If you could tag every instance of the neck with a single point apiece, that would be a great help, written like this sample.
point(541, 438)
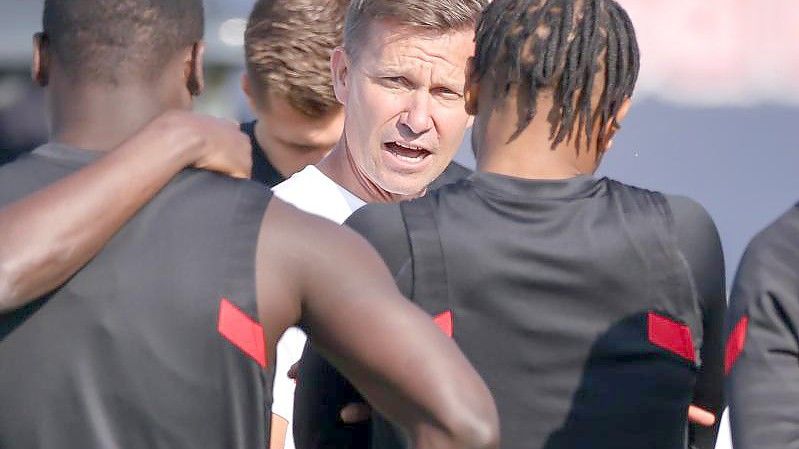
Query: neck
point(285, 161)
point(531, 154)
point(339, 166)
point(99, 118)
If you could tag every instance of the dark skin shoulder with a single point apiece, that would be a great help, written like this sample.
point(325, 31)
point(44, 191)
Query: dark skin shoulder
point(50, 234)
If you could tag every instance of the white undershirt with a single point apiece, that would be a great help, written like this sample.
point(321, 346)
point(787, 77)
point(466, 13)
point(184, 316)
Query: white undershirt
point(311, 191)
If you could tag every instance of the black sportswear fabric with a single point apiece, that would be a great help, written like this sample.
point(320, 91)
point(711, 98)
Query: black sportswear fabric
point(452, 174)
point(491, 218)
point(127, 353)
point(318, 425)
point(763, 383)
point(262, 170)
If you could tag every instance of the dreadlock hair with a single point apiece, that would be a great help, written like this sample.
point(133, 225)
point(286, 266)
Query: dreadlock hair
point(108, 40)
point(566, 46)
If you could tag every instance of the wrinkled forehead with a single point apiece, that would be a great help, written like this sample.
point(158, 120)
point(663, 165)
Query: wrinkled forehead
point(393, 46)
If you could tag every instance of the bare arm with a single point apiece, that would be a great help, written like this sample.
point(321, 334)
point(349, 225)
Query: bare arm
point(385, 345)
point(49, 235)
point(277, 439)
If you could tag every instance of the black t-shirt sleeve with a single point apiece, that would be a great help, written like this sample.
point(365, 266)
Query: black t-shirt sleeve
point(383, 226)
point(698, 239)
point(452, 174)
point(763, 348)
point(321, 391)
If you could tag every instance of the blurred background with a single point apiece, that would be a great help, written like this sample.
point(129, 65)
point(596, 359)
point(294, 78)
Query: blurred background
point(716, 113)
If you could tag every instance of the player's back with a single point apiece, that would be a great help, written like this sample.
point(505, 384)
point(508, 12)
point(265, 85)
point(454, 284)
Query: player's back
point(152, 343)
point(572, 300)
point(761, 357)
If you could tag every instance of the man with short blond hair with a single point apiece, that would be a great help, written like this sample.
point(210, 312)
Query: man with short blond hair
point(400, 75)
point(287, 45)
point(287, 81)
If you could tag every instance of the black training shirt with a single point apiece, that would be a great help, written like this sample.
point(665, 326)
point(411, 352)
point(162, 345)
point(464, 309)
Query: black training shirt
point(763, 340)
point(488, 212)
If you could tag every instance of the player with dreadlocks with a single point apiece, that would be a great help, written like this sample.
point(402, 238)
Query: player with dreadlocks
point(592, 309)
point(562, 56)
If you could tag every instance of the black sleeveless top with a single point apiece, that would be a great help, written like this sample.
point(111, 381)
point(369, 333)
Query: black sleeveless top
point(262, 169)
point(155, 342)
point(571, 299)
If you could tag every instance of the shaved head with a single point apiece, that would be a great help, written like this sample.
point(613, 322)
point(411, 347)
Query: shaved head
point(111, 40)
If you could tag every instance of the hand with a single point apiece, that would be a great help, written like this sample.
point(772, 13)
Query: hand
point(355, 412)
point(699, 416)
point(294, 372)
point(352, 413)
point(211, 143)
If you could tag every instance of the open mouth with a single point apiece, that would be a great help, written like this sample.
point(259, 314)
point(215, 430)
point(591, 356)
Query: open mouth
point(406, 152)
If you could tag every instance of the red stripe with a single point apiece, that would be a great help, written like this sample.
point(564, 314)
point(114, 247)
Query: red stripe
point(735, 344)
point(444, 322)
point(241, 330)
point(672, 336)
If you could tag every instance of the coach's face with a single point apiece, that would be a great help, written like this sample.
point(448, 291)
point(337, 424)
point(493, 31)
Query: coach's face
point(404, 106)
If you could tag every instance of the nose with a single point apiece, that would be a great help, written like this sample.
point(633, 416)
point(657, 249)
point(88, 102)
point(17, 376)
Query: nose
point(417, 118)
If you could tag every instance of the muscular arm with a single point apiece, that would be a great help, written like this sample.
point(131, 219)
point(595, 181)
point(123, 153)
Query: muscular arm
point(700, 244)
point(47, 236)
point(763, 384)
point(321, 391)
point(354, 315)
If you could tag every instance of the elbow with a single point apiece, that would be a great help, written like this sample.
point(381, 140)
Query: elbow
point(476, 425)
point(6, 296)
point(480, 432)
point(477, 434)
point(9, 289)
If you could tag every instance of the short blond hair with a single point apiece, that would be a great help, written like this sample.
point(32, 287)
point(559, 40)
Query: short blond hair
point(430, 15)
point(288, 44)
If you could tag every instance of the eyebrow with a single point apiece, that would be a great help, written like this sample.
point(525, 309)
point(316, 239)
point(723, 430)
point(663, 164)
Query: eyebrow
point(449, 83)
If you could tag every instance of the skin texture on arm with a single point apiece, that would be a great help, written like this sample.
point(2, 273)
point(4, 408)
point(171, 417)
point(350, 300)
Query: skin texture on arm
point(763, 380)
point(699, 242)
point(49, 235)
point(322, 394)
point(354, 315)
point(277, 439)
